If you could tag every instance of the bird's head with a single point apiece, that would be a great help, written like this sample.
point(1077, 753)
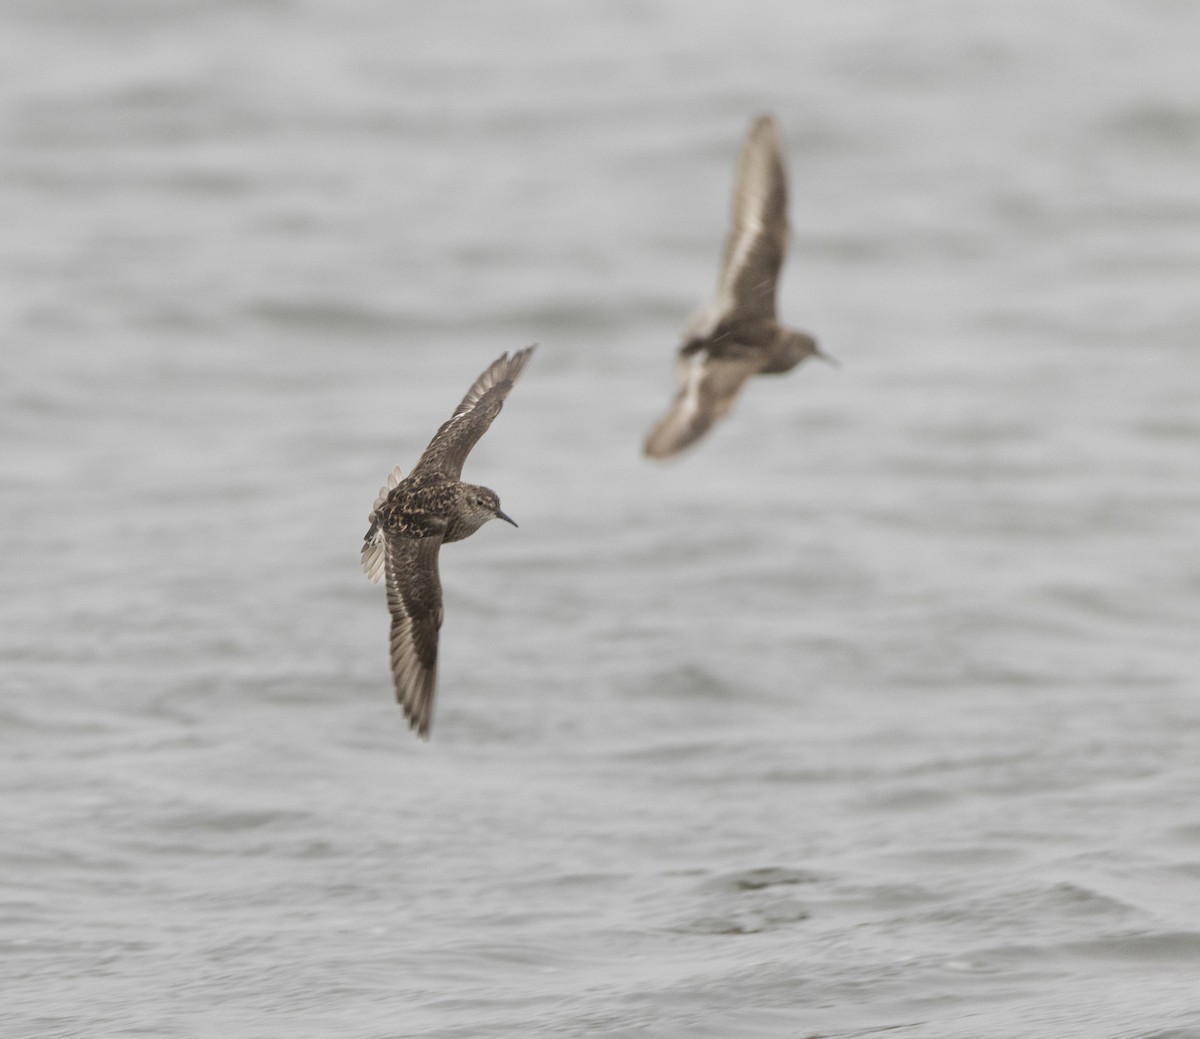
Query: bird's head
point(800, 345)
point(481, 504)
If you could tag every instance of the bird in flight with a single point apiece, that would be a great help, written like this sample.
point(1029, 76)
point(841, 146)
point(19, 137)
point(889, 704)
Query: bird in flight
point(738, 335)
point(412, 518)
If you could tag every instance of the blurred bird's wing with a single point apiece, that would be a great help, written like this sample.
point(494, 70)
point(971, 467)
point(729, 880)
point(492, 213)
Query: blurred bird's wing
point(758, 234)
point(707, 389)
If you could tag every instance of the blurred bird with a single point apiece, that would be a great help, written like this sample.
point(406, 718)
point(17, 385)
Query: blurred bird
point(738, 336)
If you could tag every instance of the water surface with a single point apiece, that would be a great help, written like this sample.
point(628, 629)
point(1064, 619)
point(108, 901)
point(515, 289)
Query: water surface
point(877, 713)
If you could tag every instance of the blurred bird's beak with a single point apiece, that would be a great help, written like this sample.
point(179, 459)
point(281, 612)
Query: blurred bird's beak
point(507, 519)
point(818, 352)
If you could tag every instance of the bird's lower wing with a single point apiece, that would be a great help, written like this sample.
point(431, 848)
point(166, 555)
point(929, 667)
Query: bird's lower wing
point(707, 390)
point(414, 595)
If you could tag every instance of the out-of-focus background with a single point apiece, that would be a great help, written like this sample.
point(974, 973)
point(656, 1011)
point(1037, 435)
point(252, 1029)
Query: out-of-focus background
point(879, 711)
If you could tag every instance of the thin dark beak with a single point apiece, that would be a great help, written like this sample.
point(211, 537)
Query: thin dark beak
point(507, 519)
point(818, 352)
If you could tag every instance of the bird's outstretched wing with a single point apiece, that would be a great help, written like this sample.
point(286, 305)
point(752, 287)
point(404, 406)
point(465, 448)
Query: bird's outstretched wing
point(758, 234)
point(414, 595)
point(707, 389)
point(453, 441)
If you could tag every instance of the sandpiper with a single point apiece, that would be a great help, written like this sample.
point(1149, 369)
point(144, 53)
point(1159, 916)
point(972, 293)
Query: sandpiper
point(738, 336)
point(414, 516)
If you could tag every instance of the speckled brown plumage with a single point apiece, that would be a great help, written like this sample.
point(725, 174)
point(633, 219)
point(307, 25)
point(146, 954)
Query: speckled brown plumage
point(738, 336)
point(413, 517)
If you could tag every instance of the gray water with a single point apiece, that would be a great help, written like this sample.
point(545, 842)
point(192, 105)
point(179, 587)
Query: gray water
point(878, 713)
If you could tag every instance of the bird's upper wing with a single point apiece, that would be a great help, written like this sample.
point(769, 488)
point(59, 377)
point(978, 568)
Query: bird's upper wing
point(707, 390)
point(414, 595)
point(758, 234)
point(453, 441)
